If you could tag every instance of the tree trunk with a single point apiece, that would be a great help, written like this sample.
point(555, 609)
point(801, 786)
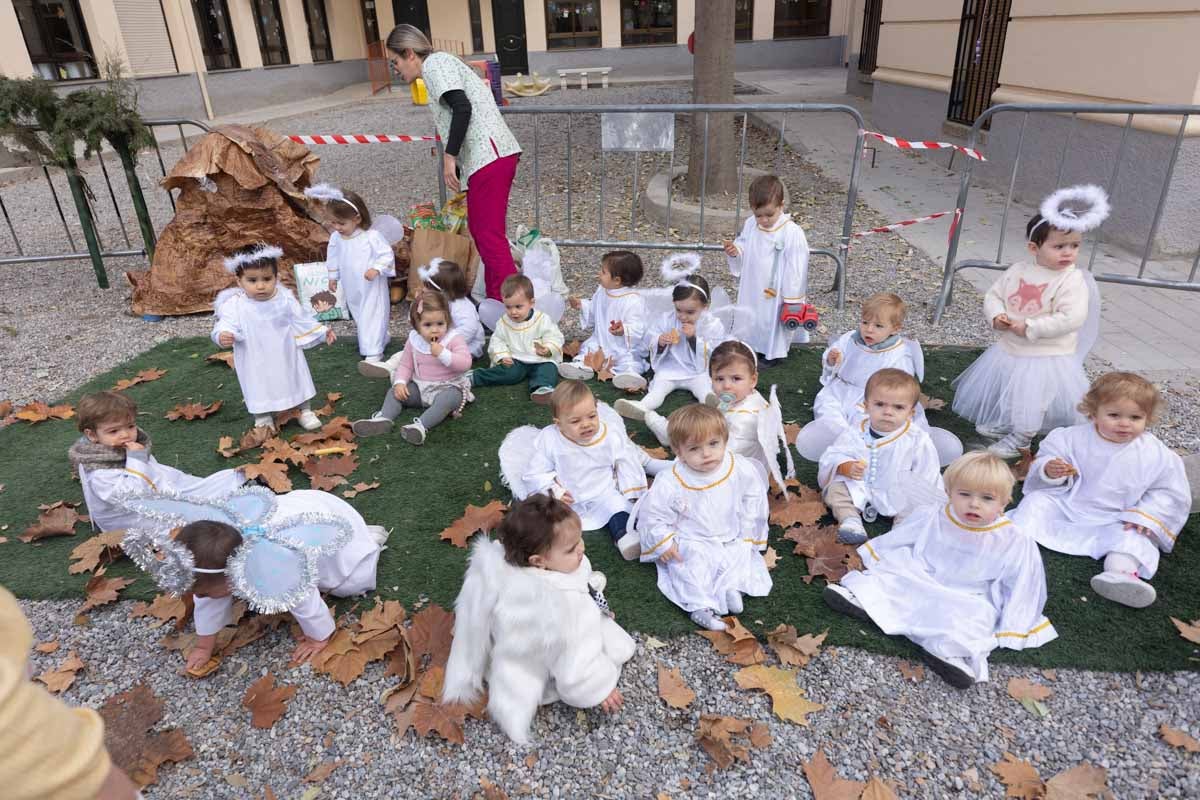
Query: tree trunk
point(712, 82)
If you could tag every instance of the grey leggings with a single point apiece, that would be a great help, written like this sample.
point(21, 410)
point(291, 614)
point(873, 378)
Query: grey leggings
point(445, 403)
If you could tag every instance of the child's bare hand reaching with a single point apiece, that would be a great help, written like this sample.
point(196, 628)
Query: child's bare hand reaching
point(1057, 468)
point(306, 648)
point(330, 336)
point(854, 470)
point(834, 358)
point(400, 392)
point(672, 554)
point(225, 339)
point(541, 349)
point(730, 248)
point(1001, 322)
point(371, 274)
point(616, 328)
point(436, 348)
point(612, 704)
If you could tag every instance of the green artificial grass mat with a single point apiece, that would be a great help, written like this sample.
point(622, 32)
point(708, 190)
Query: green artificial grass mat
point(423, 489)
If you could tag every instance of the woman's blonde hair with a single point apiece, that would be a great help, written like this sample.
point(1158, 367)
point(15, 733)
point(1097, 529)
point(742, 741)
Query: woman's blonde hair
point(1122, 386)
point(981, 471)
point(408, 38)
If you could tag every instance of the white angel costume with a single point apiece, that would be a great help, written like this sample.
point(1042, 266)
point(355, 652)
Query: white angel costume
point(684, 363)
point(1141, 482)
point(269, 338)
point(605, 476)
point(718, 521)
point(956, 591)
point(772, 268)
point(294, 546)
point(756, 433)
point(626, 348)
point(347, 261)
point(464, 318)
point(894, 460)
point(536, 636)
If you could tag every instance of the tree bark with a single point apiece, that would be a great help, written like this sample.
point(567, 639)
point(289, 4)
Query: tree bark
point(712, 82)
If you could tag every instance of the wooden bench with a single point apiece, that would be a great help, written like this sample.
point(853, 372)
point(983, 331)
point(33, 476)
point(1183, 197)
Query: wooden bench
point(583, 73)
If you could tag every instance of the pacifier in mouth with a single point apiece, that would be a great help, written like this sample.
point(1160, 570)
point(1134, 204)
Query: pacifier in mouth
point(725, 400)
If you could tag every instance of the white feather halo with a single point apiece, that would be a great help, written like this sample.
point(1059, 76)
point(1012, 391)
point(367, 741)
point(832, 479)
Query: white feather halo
point(1062, 208)
point(430, 271)
point(679, 266)
point(324, 192)
point(262, 252)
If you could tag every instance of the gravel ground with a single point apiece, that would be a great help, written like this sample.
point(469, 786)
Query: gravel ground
point(924, 735)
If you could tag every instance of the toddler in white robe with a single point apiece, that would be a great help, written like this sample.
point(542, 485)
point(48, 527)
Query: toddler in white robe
point(532, 621)
point(870, 471)
point(268, 330)
point(617, 315)
point(1109, 489)
point(113, 459)
point(957, 578)
point(770, 259)
point(704, 522)
point(585, 459)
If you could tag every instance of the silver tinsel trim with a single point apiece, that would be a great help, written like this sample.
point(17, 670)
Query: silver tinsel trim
point(278, 532)
point(305, 582)
point(173, 571)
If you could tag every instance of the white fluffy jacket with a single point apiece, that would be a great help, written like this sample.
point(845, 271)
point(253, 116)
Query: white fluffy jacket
point(536, 636)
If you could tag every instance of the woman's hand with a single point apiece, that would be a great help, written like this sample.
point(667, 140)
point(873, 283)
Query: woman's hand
point(450, 172)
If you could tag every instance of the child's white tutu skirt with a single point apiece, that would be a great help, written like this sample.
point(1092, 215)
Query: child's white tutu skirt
point(1002, 392)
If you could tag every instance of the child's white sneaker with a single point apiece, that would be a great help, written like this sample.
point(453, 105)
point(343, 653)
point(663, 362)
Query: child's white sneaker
point(542, 395)
point(952, 669)
point(1009, 447)
point(630, 409)
point(376, 425)
point(374, 368)
point(414, 432)
point(630, 546)
point(843, 601)
point(708, 620)
point(309, 421)
point(851, 531)
point(657, 424)
point(1124, 588)
point(264, 421)
point(379, 534)
point(629, 381)
point(575, 372)
point(733, 601)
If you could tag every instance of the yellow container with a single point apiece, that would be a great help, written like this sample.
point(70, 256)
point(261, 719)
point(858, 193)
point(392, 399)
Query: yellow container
point(420, 96)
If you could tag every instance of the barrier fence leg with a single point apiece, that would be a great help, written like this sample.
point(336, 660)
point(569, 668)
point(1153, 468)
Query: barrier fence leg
point(139, 200)
point(75, 181)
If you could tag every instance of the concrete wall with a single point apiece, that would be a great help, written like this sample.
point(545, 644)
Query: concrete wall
point(236, 90)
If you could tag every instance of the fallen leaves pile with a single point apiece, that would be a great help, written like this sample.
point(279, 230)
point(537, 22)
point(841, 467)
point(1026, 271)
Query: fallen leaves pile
point(1081, 782)
point(34, 412)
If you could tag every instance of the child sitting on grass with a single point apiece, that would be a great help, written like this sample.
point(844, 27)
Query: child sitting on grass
point(704, 521)
point(268, 330)
point(526, 344)
point(532, 621)
point(870, 470)
point(431, 373)
point(617, 315)
point(584, 459)
point(1109, 489)
point(113, 458)
point(770, 259)
point(956, 577)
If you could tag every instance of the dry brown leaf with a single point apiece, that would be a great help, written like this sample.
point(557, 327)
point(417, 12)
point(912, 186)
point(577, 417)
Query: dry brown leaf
point(657, 452)
point(788, 510)
point(279, 450)
point(474, 520)
point(787, 698)
point(331, 465)
point(128, 718)
point(912, 672)
point(1188, 630)
point(794, 650)
point(1020, 469)
point(190, 411)
point(595, 360)
point(266, 701)
point(101, 591)
point(736, 643)
point(1024, 689)
point(101, 547)
point(341, 659)
point(431, 633)
point(60, 678)
point(771, 557)
point(877, 790)
point(715, 735)
point(225, 447)
point(571, 348)
point(273, 472)
point(255, 437)
point(359, 488)
point(491, 791)
point(336, 428)
point(672, 688)
point(331, 399)
point(55, 519)
point(430, 685)
point(444, 720)
point(1050, 674)
point(165, 608)
point(38, 411)
point(1020, 778)
point(47, 647)
point(6, 407)
point(825, 556)
point(760, 736)
point(825, 783)
point(145, 376)
point(1177, 738)
point(397, 701)
point(1081, 782)
point(385, 616)
point(224, 357)
point(322, 771)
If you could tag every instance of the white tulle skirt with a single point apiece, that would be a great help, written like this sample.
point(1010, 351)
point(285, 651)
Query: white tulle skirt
point(1001, 392)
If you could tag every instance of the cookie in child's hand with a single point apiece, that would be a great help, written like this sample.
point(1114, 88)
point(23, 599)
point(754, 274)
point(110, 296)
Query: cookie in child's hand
point(206, 669)
point(674, 335)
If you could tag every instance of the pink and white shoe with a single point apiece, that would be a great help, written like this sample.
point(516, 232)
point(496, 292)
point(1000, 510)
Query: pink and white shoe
point(1125, 588)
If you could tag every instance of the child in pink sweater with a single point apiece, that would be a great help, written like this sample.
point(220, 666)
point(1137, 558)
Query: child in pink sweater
point(431, 374)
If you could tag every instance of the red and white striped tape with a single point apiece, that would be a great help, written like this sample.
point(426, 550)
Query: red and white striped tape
point(360, 138)
point(905, 144)
point(898, 225)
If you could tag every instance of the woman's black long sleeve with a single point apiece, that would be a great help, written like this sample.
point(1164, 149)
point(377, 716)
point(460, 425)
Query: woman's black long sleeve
point(460, 111)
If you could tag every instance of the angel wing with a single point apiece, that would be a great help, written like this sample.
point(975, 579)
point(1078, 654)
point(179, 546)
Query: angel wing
point(171, 565)
point(815, 438)
point(611, 418)
point(918, 358)
point(915, 491)
point(391, 228)
point(771, 438)
point(242, 508)
point(473, 610)
point(514, 459)
point(1091, 326)
point(272, 576)
point(738, 320)
point(490, 311)
point(948, 446)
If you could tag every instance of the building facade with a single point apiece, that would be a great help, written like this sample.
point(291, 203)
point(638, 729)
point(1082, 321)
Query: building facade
point(932, 67)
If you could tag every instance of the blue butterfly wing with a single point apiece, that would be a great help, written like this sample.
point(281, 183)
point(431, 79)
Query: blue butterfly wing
point(323, 534)
point(177, 510)
point(272, 577)
point(253, 504)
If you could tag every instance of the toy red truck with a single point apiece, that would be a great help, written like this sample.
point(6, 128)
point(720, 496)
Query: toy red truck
point(796, 315)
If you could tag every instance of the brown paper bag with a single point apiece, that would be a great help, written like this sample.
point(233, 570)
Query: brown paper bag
point(428, 244)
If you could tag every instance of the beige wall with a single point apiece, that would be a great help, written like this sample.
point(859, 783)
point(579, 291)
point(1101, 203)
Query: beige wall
point(610, 23)
point(489, 29)
point(104, 30)
point(385, 16)
point(245, 35)
point(181, 25)
point(535, 26)
point(917, 43)
point(296, 31)
point(14, 56)
point(347, 32)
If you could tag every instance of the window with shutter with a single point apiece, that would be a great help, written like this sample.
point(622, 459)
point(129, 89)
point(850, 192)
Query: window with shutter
point(147, 42)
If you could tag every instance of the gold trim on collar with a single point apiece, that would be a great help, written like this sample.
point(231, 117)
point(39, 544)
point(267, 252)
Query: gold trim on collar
point(867, 348)
point(526, 325)
point(718, 482)
point(784, 219)
point(603, 433)
point(886, 440)
point(985, 529)
point(626, 293)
